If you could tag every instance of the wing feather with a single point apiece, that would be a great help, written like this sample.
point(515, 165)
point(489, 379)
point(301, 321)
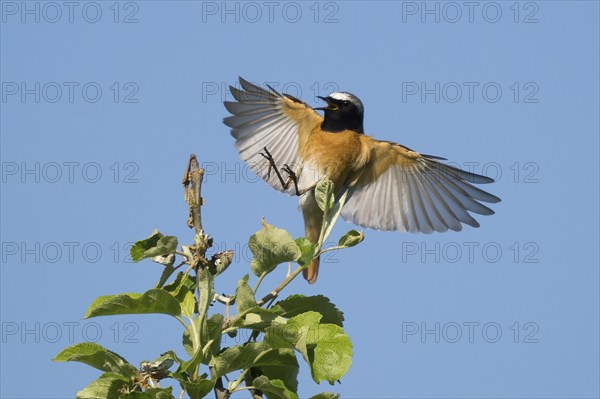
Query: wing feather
point(400, 189)
point(458, 203)
point(441, 204)
point(386, 194)
point(265, 118)
point(420, 214)
point(435, 217)
point(458, 173)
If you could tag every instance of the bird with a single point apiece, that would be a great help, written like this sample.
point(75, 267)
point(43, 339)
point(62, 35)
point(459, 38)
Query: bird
point(389, 186)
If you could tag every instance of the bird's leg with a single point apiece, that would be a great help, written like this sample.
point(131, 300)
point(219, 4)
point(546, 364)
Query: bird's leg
point(291, 178)
point(286, 168)
point(272, 166)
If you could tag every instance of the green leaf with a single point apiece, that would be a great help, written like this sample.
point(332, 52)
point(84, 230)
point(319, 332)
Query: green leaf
point(236, 358)
point(276, 387)
point(330, 205)
point(286, 370)
point(325, 347)
point(96, 356)
point(205, 283)
point(253, 354)
point(220, 261)
point(259, 318)
point(298, 304)
point(188, 305)
point(107, 386)
point(193, 348)
point(187, 342)
point(155, 300)
point(326, 395)
point(199, 388)
point(330, 217)
point(351, 239)
point(271, 246)
point(155, 245)
point(324, 194)
point(150, 393)
point(171, 355)
point(293, 334)
point(244, 297)
point(214, 332)
point(331, 356)
point(167, 272)
point(308, 250)
point(182, 284)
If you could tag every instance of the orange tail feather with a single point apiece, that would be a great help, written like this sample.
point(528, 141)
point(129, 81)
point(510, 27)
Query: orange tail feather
point(313, 219)
point(312, 272)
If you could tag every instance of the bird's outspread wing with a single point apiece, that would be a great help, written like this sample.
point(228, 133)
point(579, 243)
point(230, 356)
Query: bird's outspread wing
point(267, 119)
point(400, 189)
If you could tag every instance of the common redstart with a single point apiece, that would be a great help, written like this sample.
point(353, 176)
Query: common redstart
point(390, 187)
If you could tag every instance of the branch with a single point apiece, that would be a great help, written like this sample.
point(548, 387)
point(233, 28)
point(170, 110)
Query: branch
point(248, 380)
point(192, 192)
point(270, 296)
point(220, 391)
point(192, 186)
point(273, 294)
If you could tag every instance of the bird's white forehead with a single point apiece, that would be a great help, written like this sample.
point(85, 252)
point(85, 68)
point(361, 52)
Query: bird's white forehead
point(341, 96)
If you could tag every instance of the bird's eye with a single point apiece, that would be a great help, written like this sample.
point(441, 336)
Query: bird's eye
point(345, 103)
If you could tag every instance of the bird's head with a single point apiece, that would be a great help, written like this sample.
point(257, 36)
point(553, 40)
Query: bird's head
point(344, 111)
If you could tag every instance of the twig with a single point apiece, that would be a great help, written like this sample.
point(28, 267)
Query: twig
point(253, 391)
point(192, 185)
point(234, 386)
point(273, 294)
point(260, 279)
point(183, 255)
point(269, 297)
point(224, 299)
point(249, 380)
point(220, 391)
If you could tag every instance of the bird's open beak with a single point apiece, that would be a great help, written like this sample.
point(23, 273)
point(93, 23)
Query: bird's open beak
point(330, 105)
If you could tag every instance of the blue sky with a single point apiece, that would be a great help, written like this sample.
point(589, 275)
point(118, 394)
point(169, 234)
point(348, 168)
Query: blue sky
point(103, 102)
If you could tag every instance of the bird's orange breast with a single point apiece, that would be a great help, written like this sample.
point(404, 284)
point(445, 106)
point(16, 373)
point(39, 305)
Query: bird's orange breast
point(334, 155)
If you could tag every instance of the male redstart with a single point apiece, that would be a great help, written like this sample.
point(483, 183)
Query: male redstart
point(390, 187)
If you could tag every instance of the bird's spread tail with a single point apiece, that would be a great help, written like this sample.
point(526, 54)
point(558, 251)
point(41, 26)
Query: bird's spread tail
point(313, 219)
point(311, 273)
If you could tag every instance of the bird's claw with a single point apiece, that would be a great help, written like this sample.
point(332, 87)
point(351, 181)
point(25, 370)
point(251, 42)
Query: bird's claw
point(292, 178)
point(267, 155)
point(286, 168)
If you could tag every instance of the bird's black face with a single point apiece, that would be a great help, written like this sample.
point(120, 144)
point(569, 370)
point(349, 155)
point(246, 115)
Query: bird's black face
point(344, 111)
